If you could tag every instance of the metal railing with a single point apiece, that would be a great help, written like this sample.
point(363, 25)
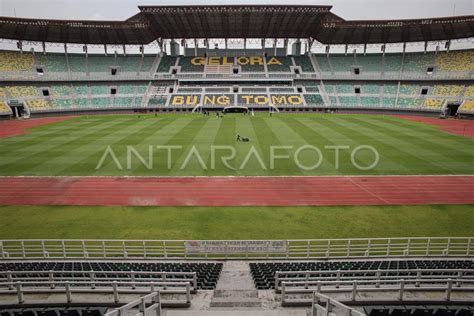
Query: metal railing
point(355, 287)
point(97, 278)
point(152, 300)
point(239, 249)
point(180, 292)
point(379, 276)
point(330, 305)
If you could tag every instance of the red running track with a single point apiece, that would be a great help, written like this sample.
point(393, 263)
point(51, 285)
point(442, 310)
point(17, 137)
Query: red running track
point(460, 127)
point(227, 191)
point(16, 127)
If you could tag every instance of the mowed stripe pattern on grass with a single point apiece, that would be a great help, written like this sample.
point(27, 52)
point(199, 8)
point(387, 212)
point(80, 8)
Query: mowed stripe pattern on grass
point(74, 147)
point(235, 191)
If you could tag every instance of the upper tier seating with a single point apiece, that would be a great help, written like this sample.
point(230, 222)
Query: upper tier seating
point(418, 62)
point(456, 61)
point(147, 63)
point(129, 63)
point(188, 66)
point(283, 67)
point(369, 63)
point(166, 62)
point(392, 63)
point(304, 62)
point(341, 63)
point(77, 63)
point(53, 62)
point(323, 63)
point(263, 273)
point(99, 63)
point(207, 273)
point(15, 61)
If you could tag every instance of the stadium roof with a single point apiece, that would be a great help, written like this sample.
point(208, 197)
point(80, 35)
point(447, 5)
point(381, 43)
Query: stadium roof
point(239, 21)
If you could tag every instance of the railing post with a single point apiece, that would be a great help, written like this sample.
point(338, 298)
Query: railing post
point(92, 277)
point(2, 253)
point(51, 279)
point(116, 294)
point(449, 287)
point(354, 291)
point(338, 278)
point(23, 249)
point(314, 310)
point(157, 300)
point(19, 293)
point(10, 280)
point(132, 277)
point(401, 291)
point(188, 293)
point(418, 277)
point(306, 280)
point(460, 274)
point(68, 292)
point(142, 306)
point(378, 275)
point(283, 289)
point(195, 281)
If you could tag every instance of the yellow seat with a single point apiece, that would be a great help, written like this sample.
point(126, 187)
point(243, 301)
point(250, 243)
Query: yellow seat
point(15, 61)
point(456, 61)
point(22, 91)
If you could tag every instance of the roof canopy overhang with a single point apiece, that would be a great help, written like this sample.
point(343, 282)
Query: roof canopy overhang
point(250, 21)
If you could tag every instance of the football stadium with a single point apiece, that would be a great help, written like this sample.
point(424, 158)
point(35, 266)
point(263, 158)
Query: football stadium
point(236, 159)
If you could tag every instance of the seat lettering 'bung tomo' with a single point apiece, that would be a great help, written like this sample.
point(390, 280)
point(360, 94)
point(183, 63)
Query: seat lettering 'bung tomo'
point(243, 60)
point(286, 99)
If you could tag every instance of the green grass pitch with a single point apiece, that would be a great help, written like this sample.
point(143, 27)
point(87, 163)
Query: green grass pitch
point(312, 222)
point(75, 147)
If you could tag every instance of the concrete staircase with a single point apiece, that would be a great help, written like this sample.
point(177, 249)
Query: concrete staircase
point(235, 287)
point(235, 295)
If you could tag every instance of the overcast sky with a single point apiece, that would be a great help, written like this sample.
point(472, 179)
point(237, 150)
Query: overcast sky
point(123, 9)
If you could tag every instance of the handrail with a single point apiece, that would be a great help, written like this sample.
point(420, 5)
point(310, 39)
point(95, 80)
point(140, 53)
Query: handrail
point(93, 276)
point(70, 287)
point(379, 275)
point(330, 304)
point(401, 286)
point(238, 249)
point(141, 304)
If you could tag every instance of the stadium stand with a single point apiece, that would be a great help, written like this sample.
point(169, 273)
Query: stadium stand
point(304, 62)
point(187, 65)
point(166, 62)
point(15, 61)
point(279, 64)
point(207, 273)
point(263, 273)
point(418, 62)
point(456, 61)
point(53, 62)
point(4, 108)
point(370, 63)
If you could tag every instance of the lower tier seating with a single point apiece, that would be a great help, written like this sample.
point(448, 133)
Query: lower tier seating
point(207, 273)
point(263, 273)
